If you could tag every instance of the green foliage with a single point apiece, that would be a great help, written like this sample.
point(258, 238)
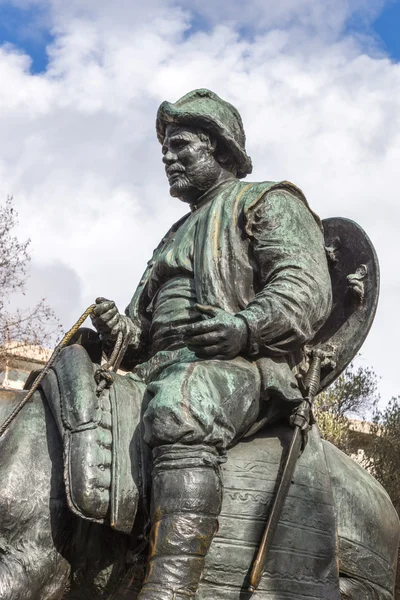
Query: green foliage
point(383, 456)
point(333, 429)
point(351, 395)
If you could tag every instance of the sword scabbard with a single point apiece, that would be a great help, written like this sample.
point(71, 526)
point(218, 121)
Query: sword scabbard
point(301, 424)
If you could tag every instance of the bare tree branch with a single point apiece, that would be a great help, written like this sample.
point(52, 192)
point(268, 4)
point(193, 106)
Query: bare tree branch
point(37, 325)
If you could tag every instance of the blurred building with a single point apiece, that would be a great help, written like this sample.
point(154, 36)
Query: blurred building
point(18, 360)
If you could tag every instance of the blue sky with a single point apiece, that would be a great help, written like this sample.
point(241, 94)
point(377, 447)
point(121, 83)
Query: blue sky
point(27, 29)
point(387, 28)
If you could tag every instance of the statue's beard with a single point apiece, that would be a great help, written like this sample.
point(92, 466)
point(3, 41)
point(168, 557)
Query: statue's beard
point(188, 185)
point(183, 188)
point(180, 183)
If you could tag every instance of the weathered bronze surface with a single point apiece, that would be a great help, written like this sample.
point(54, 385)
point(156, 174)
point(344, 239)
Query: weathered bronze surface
point(239, 298)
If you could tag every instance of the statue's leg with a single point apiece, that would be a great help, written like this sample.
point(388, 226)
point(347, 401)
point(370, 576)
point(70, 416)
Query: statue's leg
point(186, 501)
point(197, 409)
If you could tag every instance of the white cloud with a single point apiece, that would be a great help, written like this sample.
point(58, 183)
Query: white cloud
point(80, 156)
point(327, 18)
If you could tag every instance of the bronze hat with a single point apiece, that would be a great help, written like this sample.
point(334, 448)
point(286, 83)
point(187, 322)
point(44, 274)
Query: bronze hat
point(204, 109)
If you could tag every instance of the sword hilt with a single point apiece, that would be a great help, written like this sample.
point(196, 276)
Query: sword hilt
point(313, 378)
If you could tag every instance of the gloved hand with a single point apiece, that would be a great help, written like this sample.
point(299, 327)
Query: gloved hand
point(221, 336)
point(107, 320)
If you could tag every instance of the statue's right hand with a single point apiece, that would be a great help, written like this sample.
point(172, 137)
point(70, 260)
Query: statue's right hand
point(106, 319)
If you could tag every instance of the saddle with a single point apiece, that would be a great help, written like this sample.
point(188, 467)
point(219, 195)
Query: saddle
point(103, 454)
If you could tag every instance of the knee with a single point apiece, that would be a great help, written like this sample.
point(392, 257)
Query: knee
point(163, 426)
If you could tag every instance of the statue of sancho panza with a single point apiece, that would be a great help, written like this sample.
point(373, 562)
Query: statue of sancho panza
point(232, 294)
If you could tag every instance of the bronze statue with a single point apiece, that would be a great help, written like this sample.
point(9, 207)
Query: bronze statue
point(248, 307)
point(231, 295)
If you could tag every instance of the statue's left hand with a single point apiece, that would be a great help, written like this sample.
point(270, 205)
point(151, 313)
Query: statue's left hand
point(220, 336)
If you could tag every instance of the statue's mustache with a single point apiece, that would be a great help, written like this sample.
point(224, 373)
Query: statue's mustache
point(173, 170)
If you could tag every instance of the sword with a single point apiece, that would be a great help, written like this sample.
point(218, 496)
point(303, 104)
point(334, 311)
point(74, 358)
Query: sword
point(301, 422)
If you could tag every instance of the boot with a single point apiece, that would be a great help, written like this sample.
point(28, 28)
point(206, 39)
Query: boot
point(186, 502)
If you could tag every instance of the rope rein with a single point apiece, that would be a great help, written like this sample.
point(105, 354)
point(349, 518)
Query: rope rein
point(64, 342)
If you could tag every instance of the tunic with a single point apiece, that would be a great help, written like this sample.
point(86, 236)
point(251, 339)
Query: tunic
point(191, 401)
point(172, 289)
point(255, 250)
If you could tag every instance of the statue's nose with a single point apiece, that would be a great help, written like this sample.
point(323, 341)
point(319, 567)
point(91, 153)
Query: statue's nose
point(169, 158)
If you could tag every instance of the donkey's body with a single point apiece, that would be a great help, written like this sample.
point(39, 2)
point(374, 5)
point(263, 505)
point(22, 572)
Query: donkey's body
point(47, 553)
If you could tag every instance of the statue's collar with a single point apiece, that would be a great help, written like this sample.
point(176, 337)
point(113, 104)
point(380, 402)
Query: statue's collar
point(210, 194)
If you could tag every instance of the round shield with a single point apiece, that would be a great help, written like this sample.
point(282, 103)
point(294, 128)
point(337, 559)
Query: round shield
point(354, 271)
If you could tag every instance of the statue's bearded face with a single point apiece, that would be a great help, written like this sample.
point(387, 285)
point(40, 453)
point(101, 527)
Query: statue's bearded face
point(190, 164)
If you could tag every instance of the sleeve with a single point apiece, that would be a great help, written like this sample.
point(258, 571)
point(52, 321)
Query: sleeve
point(293, 289)
point(136, 319)
point(137, 350)
point(139, 324)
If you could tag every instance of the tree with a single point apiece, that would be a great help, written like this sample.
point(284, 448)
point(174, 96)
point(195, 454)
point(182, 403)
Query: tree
point(352, 394)
point(383, 456)
point(37, 325)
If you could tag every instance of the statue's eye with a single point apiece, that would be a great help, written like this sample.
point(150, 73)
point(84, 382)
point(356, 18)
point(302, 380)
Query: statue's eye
point(179, 144)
